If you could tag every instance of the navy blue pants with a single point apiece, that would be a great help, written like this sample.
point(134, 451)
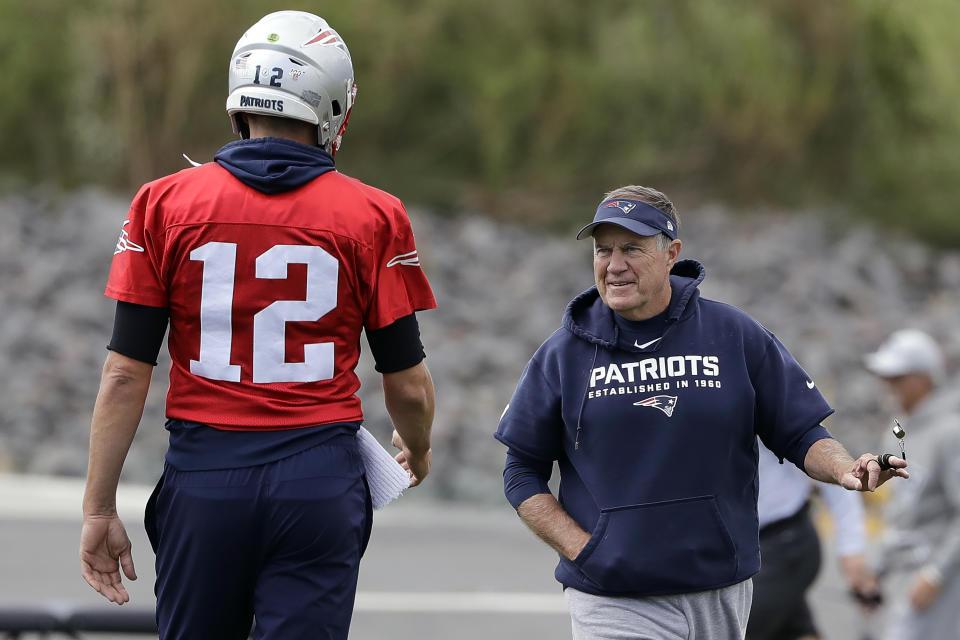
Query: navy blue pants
point(280, 542)
point(790, 553)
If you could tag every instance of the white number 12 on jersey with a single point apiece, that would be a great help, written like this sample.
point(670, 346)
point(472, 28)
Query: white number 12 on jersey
point(269, 325)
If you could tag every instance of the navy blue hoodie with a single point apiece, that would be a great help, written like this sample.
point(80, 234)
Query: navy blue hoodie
point(273, 165)
point(654, 427)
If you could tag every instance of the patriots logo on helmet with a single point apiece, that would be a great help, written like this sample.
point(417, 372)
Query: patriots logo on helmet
point(626, 207)
point(327, 37)
point(665, 403)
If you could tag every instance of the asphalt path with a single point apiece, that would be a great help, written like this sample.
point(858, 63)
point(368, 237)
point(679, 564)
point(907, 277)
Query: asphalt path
point(432, 570)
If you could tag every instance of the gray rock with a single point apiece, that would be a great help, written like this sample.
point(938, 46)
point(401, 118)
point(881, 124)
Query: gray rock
point(830, 291)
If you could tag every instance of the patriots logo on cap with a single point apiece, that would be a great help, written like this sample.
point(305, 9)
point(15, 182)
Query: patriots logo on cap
point(665, 403)
point(626, 207)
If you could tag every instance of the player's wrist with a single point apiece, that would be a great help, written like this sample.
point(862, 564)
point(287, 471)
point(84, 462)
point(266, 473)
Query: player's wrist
point(99, 508)
point(99, 513)
point(417, 444)
point(419, 450)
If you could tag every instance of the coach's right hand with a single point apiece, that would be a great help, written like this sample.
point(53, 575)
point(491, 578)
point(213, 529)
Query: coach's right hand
point(867, 474)
point(417, 464)
point(104, 550)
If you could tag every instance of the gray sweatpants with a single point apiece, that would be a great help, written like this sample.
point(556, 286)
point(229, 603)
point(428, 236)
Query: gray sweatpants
point(718, 614)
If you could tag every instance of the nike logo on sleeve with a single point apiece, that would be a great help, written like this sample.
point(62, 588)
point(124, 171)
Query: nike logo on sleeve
point(410, 259)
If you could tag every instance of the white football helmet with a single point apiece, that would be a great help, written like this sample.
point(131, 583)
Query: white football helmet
point(292, 64)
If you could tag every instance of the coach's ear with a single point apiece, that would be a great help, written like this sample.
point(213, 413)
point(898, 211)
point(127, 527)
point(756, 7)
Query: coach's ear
point(673, 252)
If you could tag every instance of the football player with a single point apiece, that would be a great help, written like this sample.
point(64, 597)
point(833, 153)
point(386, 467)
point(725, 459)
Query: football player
point(267, 264)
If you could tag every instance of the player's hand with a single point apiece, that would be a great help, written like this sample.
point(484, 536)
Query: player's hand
point(866, 474)
point(104, 551)
point(417, 464)
point(923, 592)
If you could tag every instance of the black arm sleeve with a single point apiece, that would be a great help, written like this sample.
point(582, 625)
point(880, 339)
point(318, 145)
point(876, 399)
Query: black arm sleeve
point(396, 346)
point(138, 331)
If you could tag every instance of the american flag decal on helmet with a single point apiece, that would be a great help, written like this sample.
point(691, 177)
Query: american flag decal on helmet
point(665, 403)
point(626, 207)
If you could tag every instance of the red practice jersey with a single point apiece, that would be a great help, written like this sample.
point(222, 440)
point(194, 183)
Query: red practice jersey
point(268, 294)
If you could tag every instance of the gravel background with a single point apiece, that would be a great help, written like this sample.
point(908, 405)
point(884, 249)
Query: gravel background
point(829, 290)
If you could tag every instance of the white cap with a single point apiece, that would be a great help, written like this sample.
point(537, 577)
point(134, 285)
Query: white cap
point(907, 351)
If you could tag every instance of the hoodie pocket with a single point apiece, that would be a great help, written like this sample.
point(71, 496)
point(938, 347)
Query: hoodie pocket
point(675, 546)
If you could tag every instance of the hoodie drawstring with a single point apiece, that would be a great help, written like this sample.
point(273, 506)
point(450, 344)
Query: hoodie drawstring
point(583, 400)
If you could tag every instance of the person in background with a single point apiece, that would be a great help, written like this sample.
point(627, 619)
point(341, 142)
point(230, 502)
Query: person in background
point(919, 559)
point(790, 551)
point(268, 265)
point(651, 398)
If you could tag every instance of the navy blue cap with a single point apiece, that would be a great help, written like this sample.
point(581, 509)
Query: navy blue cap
point(639, 217)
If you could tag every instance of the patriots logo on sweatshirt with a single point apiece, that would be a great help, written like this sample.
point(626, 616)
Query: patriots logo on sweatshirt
point(665, 403)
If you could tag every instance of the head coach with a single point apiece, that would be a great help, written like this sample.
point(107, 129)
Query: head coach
point(650, 398)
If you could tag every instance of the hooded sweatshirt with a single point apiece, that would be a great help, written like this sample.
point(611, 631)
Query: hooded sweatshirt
point(654, 427)
point(273, 165)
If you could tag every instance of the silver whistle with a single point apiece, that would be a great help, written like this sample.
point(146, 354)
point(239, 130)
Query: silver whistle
point(899, 433)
